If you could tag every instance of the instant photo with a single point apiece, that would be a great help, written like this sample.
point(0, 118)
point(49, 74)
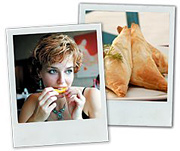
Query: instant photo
point(57, 90)
point(138, 46)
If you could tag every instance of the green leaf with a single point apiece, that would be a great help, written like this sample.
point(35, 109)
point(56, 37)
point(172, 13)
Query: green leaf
point(108, 52)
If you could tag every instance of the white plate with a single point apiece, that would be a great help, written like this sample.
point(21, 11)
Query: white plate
point(137, 93)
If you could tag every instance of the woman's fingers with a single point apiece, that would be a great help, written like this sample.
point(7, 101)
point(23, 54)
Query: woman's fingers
point(60, 95)
point(51, 107)
point(45, 97)
point(70, 92)
point(48, 95)
point(80, 102)
point(50, 101)
point(80, 95)
point(78, 98)
point(71, 99)
point(44, 92)
point(76, 102)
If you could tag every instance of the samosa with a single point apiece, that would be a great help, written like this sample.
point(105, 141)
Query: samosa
point(145, 72)
point(159, 58)
point(118, 63)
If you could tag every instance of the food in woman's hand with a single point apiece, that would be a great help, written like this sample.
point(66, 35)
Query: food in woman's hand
point(118, 63)
point(145, 72)
point(61, 90)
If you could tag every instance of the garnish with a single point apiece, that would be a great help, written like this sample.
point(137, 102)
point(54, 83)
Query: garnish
point(115, 56)
point(108, 52)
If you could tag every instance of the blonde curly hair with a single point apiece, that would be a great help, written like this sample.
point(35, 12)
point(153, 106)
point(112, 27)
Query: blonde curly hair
point(54, 48)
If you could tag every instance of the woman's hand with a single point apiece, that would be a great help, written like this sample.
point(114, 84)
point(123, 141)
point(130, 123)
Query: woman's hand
point(76, 102)
point(46, 103)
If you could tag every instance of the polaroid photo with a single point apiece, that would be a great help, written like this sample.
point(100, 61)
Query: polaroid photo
point(56, 82)
point(138, 45)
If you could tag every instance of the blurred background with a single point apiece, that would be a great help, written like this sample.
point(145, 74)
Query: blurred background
point(23, 47)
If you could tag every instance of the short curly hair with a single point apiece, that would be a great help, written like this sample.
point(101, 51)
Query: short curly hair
point(54, 48)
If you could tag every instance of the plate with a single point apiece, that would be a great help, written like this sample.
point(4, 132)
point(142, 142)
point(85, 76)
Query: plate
point(138, 94)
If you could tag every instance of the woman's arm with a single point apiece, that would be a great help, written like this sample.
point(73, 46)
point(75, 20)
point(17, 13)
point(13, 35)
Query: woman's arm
point(28, 109)
point(37, 108)
point(93, 102)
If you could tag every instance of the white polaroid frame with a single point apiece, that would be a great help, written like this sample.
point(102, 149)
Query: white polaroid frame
point(140, 113)
point(56, 132)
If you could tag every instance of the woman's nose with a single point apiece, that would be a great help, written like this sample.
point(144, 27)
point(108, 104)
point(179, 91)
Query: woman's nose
point(61, 79)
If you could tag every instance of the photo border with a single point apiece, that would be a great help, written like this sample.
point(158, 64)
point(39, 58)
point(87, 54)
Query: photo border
point(56, 132)
point(140, 113)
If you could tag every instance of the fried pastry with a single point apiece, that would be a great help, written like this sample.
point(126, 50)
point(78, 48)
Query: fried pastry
point(159, 58)
point(145, 72)
point(118, 63)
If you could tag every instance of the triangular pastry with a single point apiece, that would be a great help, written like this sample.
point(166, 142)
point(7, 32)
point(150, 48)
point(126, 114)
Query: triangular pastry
point(118, 63)
point(159, 58)
point(145, 72)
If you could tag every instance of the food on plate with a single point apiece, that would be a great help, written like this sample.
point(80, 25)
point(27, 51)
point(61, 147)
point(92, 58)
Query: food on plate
point(131, 59)
point(61, 90)
point(118, 63)
point(145, 72)
point(160, 59)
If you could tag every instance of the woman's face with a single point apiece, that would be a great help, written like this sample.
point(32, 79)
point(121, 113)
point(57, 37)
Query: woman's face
point(58, 75)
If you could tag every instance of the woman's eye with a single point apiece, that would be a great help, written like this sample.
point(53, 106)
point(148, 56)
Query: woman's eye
point(52, 71)
point(69, 71)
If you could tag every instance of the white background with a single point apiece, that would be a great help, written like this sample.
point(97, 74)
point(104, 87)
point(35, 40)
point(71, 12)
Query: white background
point(21, 13)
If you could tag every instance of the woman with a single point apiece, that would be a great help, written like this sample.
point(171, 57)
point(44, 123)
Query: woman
point(57, 58)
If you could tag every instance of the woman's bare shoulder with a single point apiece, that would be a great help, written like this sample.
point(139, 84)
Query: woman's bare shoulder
point(91, 92)
point(88, 89)
point(32, 99)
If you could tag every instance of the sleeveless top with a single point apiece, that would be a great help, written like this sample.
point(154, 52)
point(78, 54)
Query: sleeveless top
point(84, 116)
